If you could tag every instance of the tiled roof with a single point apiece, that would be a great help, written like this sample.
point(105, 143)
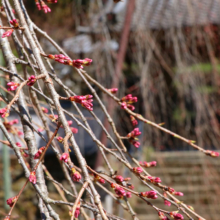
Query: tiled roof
point(157, 14)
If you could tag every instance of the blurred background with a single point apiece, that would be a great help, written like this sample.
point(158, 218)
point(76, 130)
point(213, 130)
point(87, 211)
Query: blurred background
point(165, 52)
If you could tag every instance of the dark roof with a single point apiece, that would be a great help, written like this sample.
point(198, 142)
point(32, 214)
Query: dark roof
point(162, 14)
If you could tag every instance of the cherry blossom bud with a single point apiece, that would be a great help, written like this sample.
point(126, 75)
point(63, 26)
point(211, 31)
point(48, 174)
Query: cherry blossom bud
point(69, 122)
point(53, 117)
point(11, 201)
point(64, 157)
point(18, 144)
point(77, 212)
point(101, 180)
point(178, 194)
point(133, 121)
point(12, 86)
point(123, 105)
point(87, 62)
point(119, 179)
point(176, 216)
point(76, 176)
point(7, 33)
point(131, 107)
point(60, 139)
point(45, 7)
point(212, 153)
point(74, 130)
point(162, 216)
point(130, 186)
point(128, 194)
point(154, 179)
point(31, 80)
point(137, 169)
point(120, 192)
point(39, 152)
point(15, 121)
point(150, 194)
point(14, 22)
point(171, 190)
point(113, 90)
point(135, 143)
point(32, 177)
point(7, 218)
point(134, 133)
point(20, 133)
point(167, 203)
point(45, 110)
point(4, 113)
point(148, 164)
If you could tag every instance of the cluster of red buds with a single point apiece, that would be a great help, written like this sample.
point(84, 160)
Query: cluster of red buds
point(176, 216)
point(7, 33)
point(120, 192)
point(133, 121)
point(137, 170)
point(14, 23)
point(113, 90)
point(42, 6)
point(4, 112)
point(64, 157)
point(212, 153)
point(153, 179)
point(162, 216)
point(98, 178)
point(12, 86)
point(39, 152)
point(76, 176)
point(149, 194)
point(133, 137)
point(172, 191)
point(45, 110)
point(31, 80)
point(12, 200)
point(32, 177)
point(85, 101)
point(67, 61)
point(77, 212)
point(127, 101)
point(24, 154)
point(148, 164)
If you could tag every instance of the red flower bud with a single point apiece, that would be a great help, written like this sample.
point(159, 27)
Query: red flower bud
point(137, 169)
point(64, 157)
point(176, 216)
point(128, 194)
point(14, 22)
point(12, 86)
point(178, 194)
point(45, 110)
point(212, 153)
point(148, 164)
point(7, 33)
point(31, 80)
point(123, 105)
point(162, 216)
point(74, 130)
point(113, 90)
point(11, 201)
point(167, 203)
point(4, 113)
point(39, 152)
point(32, 177)
point(150, 194)
point(76, 176)
point(60, 139)
point(119, 179)
point(133, 121)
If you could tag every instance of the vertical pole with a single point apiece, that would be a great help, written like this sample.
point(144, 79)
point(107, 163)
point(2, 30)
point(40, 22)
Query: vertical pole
point(6, 177)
